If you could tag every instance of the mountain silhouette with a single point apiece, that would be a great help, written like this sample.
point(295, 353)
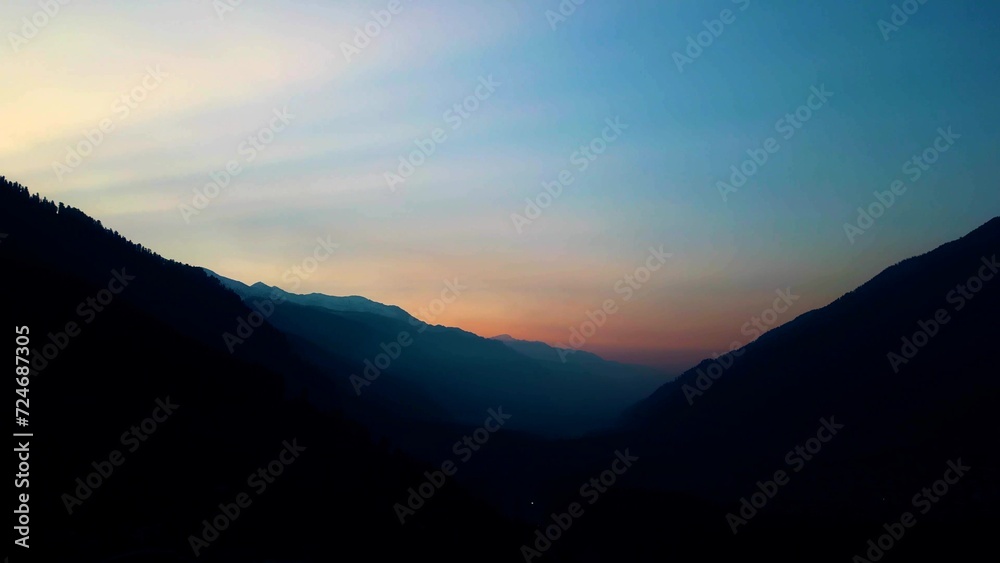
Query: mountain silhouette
point(899, 375)
point(542, 351)
point(909, 404)
point(352, 304)
point(160, 339)
point(458, 375)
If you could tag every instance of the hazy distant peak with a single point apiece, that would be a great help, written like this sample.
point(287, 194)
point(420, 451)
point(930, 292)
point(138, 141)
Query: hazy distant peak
point(542, 351)
point(351, 304)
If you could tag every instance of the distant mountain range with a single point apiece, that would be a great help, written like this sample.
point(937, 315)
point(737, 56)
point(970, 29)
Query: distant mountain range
point(542, 351)
point(460, 373)
point(352, 304)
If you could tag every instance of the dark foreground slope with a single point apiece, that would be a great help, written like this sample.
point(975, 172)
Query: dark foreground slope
point(160, 339)
point(706, 442)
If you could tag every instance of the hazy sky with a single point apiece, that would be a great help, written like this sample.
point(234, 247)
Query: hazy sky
point(199, 80)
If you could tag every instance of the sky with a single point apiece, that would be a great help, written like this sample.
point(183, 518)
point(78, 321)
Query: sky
point(633, 114)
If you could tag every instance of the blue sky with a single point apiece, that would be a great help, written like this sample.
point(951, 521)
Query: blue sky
point(324, 173)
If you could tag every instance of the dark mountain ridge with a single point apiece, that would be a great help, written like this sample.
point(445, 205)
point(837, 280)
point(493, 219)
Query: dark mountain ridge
point(160, 338)
point(713, 437)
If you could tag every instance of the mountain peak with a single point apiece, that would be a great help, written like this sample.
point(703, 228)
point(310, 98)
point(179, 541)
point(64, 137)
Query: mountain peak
point(353, 304)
